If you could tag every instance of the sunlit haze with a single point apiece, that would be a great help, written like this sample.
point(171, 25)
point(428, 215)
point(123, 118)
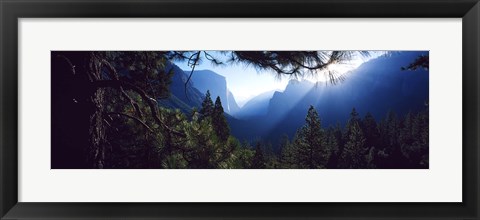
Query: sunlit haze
point(312, 110)
point(245, 82)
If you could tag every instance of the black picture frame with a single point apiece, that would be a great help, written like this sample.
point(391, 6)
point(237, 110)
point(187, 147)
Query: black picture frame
point(12, 10)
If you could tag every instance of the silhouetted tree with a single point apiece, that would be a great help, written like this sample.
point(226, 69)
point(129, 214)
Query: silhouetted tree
point(258, 161)
point(371, 131)
point(219, 121)
point(287, 154)
point(332, 144)
point(353, 154)
point(413, 140)
point(207, 106)
point(312, 150)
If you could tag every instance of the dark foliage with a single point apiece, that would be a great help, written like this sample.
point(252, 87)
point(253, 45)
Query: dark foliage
point(422, 61)
point(219, 121)
point(362, 144)
point(106, 114)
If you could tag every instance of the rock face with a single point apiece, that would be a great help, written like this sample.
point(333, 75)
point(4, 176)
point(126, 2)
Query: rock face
point(256, 106)
point(232, 103)
point(196, 89)
point(205, 80)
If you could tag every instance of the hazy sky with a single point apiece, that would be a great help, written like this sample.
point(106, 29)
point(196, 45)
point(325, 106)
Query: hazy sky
point(245, 82)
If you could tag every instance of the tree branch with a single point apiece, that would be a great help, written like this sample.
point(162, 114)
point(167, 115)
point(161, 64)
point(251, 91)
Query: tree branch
point(193, 65)
point(131, 117)
point(151, 102)
point(114, 75)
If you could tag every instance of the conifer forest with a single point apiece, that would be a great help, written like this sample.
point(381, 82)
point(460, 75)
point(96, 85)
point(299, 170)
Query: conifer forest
point(240, 109)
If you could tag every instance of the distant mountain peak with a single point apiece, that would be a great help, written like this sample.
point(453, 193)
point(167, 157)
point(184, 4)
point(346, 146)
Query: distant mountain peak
point(205, 80)
point(297, 82)
point(256, 106)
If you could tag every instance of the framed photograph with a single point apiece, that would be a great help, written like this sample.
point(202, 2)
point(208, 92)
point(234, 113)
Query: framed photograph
point(225, 109)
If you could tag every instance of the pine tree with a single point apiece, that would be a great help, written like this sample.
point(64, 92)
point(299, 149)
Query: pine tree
point(354, 119)
point(370, 158)
point(414, 140)
point(200, 148)
point(392, 137)
point(405, 136)
point(370, 130)
point(332, 144)
point(353, 155)
point(372, 138)
point(207, 106)
point(423, 137)
point(338, 134)
point(287, 153)
point(219, 121)
point(258, 161)
point(310, 142)
point(194, 114)
point(392, 129)
point(244, 156)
